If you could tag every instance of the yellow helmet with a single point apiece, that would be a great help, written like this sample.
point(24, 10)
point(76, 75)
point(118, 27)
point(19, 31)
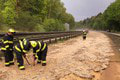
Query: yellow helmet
point(33, 43)
point(11, 30)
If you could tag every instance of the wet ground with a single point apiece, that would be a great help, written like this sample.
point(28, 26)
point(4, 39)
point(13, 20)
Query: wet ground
point(113, 71)
point(95, 58)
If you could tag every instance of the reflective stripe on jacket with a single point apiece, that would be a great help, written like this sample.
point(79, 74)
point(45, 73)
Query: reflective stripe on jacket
point(7, 42)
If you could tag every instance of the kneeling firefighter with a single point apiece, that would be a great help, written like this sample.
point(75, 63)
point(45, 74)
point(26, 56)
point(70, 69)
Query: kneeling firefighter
point(25, 45)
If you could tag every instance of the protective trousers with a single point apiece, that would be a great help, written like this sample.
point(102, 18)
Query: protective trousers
point(42, 55)
point(84, 37)
point(8, 54)
point(20, 60)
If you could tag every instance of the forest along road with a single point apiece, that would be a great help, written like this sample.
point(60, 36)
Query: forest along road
point(72, 59)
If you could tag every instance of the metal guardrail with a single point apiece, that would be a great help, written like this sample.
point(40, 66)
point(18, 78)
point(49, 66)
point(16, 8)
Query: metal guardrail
point(45, 36)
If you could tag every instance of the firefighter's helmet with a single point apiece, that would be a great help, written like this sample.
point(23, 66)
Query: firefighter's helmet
point(33, 43)
point(11, 30)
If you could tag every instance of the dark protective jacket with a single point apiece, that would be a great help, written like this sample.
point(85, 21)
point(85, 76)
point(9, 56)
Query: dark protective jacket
point(7, 42)
point(39, 47)
point(84, 33)
point(22, 46)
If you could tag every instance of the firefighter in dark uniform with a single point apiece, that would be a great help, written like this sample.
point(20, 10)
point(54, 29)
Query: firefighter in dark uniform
point(84, 34)
point(7, 47)
point(20, 49)
point(40, 51)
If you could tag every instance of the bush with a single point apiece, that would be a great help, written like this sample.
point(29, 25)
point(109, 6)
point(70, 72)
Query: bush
point(53, 25)
point(39, 28)
point(4, 28)
point(27, 22)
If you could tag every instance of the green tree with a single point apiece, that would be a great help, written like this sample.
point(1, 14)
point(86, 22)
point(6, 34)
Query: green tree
point(53, 25)
point(30, 15)
point(112, 16)
point(9, 12)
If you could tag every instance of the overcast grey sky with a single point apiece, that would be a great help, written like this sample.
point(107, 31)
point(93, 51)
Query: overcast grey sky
point(82, 9)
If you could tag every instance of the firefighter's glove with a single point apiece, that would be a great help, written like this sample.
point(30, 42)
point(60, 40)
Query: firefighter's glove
point(34, 57)
point(24, 55)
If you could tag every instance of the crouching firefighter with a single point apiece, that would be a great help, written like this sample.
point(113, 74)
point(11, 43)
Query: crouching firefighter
point(20, 49)
point(7, 47)
point(40, 51)
point(39, 48)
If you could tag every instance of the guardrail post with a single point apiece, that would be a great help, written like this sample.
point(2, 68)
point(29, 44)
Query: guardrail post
point(60, 38)
point(69, 36)
point(42, 40)
point(65, 37)
point(50, 41)
point(55, 39)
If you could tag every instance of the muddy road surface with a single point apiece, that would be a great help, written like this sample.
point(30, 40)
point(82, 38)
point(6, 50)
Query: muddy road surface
point(73, 59)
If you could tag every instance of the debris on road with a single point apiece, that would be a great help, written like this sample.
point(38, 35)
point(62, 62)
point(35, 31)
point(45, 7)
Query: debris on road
point(73, 58)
